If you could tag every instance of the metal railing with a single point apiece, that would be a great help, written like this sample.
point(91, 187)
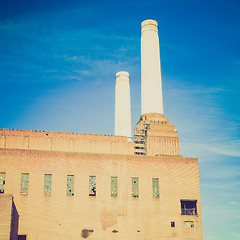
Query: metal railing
point(140, 139)
point(189, 211)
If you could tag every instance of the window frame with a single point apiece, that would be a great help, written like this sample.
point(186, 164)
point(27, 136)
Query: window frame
point(24, 189)
point(70, 185)
point(188, 207)
point(22, 237)
point(156, 194)
point(92, 186)
point(114, 186)
point(135, 187)
point(2, 182)
point(47, 185)
point(189, 224)
point(173, 224)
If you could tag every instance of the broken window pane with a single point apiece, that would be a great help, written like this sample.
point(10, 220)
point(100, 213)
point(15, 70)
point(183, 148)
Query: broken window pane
point(155, 183)
point(70, 185)
point(2, 182)
point(135, 187)
point(189, 207)
point(188, 223)
point(47, 184)
point(92, 186)
point(24, 183)
point(114, 187)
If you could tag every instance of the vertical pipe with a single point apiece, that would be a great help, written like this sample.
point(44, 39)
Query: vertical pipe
point(122, 105)
point(151, 83)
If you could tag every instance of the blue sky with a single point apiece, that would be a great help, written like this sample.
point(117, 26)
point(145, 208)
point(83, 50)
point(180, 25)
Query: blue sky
point(58, 61)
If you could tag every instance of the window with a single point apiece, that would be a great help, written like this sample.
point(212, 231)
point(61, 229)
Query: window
point(188, 223)
point(47, 184)
point(2, 182)
point(22, 237)
point(155, 184)
point(92, 186)
point(172, 224)
point(189, 207)
point(114, 186)
point(24, 183)
point(135, 187)
point(70, 185)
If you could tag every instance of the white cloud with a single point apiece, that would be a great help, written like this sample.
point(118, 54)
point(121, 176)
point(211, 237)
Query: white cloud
point(231, 148)
point(203, 124)
point(236, 203)
point(229, 186)
point(237, 235)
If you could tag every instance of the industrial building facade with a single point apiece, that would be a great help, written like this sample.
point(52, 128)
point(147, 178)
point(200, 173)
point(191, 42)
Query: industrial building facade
point(86, 186)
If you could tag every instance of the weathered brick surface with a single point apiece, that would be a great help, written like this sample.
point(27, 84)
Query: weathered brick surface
point(65, 217)
point(60, 141)
point(9, 218)
point(70, 217)
point(5, 220)
point(161, 136)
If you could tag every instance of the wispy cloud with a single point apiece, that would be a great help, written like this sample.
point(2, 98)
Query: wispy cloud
point(229, 148)
point(198, 112)
point(236, 203)
point(236, 235)
point(221, 175)
point(50, 52)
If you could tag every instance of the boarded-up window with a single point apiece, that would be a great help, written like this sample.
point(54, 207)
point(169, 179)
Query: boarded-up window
point(24, 183)
point(92, 186)
point(47, 184)
point(155, 184)
point(114, 187)
point(70, 185)
point(188, 223)
point(2, 182)
point(135, 187)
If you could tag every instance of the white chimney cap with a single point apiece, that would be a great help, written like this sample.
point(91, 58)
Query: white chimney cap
point(149, 25)
point(122, 76)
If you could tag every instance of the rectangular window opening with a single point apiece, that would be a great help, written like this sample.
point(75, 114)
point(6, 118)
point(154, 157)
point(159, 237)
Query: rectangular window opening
point(92, 186)
point(24, 183)
point(2, 182)
point(172, 224)
point(135, 187)
point(47, 184)
point(155, 184)
point(70, 185)
point(189, 207)
point(22, 237)
point(114, 187)
point(189, 224)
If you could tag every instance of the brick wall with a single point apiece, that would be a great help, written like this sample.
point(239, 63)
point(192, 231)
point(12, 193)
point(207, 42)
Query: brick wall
point(70, 217)
point(161, 136)
point(8, 218)
point(60, 141)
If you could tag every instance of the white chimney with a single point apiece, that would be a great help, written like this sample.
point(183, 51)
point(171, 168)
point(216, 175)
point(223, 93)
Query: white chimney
point(122, 105)
point(151, 83)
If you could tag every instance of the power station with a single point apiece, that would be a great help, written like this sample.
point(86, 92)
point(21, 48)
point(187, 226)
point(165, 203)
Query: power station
point(56, 185)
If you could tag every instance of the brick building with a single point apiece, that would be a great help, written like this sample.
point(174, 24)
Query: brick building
point(86, 186)
point(75, 186)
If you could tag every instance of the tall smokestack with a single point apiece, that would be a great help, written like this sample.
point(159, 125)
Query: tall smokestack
point(151, 83)
point(122, 105)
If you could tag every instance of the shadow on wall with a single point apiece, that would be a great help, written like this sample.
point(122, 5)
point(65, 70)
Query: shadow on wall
point(9, 217)
point(14, 223)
